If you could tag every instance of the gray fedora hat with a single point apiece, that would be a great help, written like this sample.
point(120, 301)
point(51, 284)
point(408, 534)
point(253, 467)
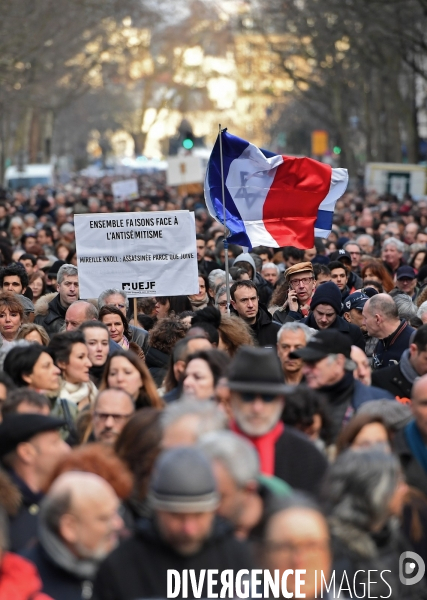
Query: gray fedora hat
point(257, 370)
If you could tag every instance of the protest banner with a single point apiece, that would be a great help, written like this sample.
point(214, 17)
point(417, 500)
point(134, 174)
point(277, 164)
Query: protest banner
point(125, 190)
point(144, 254)
point(185, 169)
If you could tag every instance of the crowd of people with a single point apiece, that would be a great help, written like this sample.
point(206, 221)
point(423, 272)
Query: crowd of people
point(286, 431)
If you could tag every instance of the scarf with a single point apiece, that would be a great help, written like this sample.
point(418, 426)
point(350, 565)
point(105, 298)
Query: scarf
point(407, 369)
point(76, 392)
point(83, 568)
point(198, 304)
point(416, 443)
point(124, 343)
point(265, 445)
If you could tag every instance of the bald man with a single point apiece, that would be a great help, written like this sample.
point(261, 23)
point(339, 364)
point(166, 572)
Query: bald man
point(78, 312)
point(298, 538)
point(410, 442)
point(79, 526)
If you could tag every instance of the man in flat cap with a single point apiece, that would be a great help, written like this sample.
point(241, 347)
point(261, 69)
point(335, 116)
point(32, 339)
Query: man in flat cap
point(300, 278)
point(30, 448)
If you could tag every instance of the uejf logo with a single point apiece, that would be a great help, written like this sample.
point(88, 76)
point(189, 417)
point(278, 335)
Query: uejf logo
point(139, 286)
point(411, 568)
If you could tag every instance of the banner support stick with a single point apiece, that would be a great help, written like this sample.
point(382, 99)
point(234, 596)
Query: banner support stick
point(225, 241)
point(135, 313)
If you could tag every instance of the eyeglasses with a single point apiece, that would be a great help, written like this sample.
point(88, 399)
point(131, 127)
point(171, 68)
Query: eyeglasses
point(116, 418)
point(120, 306)
point(252, 396)
point(305, 281)
point(357, 253)
point(224, 303)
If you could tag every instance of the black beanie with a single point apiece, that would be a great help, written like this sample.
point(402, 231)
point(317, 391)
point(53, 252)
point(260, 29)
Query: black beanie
point(327, 293)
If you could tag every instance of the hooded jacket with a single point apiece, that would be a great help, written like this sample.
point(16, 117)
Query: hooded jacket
point(19, 579)
point(138, 567)
point(264, 288)
point(50, 313)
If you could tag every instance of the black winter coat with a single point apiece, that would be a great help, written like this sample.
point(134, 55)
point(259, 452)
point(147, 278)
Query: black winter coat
point(23, 526)
point(415, 475)
point(58, 583)
point(138, 567)
point(265, 329)
point(157, 363)
point(299, 462)
point(54, 320)
point(392, 380)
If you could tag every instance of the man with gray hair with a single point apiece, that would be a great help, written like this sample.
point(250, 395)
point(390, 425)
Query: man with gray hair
point(422, 312)
point(366, 243)
point(216, 279)
point(246, 496)
point(119, 299)
point(381, 320)
point(329, 370)
point(78, 312)
point(291, 337)
point(79, 525)
point(391, 254)
point(270, 272)
point(221, 299)
point(185, 421)
point(184, 533)
point(52, 318)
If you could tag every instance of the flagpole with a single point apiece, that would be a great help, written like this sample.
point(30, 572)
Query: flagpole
point(225, 241)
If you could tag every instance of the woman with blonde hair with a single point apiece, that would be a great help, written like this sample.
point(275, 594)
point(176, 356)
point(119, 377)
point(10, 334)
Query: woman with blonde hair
point(33, 333)
point(233, 333)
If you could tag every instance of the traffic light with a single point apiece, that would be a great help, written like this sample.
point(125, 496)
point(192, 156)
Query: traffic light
point(188, 140)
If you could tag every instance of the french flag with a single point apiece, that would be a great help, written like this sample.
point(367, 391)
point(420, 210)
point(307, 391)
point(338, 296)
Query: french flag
point(270, 199)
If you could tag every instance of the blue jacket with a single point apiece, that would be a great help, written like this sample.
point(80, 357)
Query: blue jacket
point(364, 393)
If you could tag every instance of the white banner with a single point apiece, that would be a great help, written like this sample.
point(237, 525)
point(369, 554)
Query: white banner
point(185, 169)
point(145, 254)
point(127, 189)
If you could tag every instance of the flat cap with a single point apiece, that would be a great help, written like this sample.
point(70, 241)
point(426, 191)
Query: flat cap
point(18, 428)
point(298, 268)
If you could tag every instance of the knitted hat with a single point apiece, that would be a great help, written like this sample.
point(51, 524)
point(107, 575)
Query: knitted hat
point(183, 481)
point(394, 414)
point(327, 293)
point(298, 268)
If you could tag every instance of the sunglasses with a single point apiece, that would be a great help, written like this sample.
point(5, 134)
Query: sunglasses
point(251, 397)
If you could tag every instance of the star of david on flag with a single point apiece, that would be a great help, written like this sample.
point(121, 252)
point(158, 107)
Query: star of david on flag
point(270, 199)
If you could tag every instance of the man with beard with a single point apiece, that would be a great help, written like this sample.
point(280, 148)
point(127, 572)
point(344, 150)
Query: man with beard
point(257, 399)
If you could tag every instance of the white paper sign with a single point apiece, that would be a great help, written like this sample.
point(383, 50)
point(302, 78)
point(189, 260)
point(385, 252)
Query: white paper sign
point(125, 190)
point(145, 254)
point(185, 169)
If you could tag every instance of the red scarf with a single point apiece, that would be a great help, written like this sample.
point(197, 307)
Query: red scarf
point(265, 445)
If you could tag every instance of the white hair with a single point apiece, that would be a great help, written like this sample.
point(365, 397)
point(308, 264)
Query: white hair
point(237, 455)
point(296, 326)
point(270, 265)
point(366, 236)
point(394, 242)
point(110, 292)
point(422, 309)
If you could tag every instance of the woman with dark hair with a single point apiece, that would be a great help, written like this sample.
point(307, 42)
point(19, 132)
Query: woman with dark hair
point(418, 260)
point(166, 305)
point(118, 327)
point(203, 371)
point(30, 365)
point(202, 299)
point(360, 490)
point(117, 324)
point(126, 371)
point(363, 432)
point(162, 339)
point(70, 354)
point(11, 317)
point(138, 446)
